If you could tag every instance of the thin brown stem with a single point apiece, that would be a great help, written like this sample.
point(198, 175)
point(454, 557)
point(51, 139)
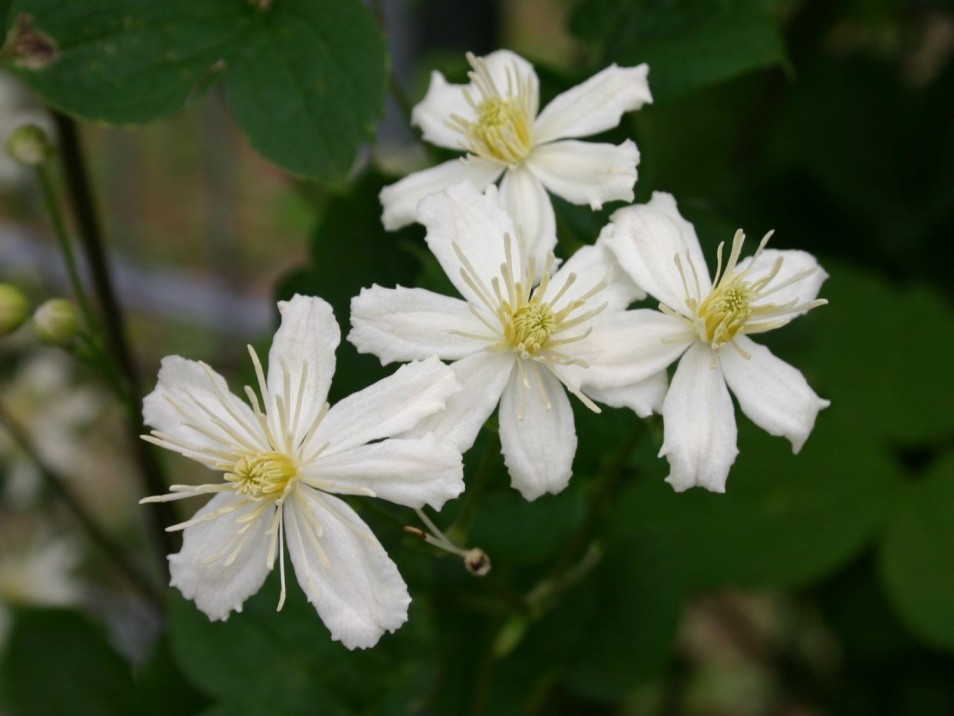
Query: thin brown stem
point(91, 240)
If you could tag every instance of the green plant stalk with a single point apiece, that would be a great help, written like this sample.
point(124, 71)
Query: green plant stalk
point(97, 534)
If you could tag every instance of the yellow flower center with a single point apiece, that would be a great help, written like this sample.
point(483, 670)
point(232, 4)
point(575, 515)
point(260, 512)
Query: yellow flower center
point(502, 126)
point(529, 327)
point(262, 475)
point(726, 311)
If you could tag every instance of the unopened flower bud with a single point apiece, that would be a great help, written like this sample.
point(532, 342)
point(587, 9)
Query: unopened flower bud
point(56, 322)
point(13, 308)
point(477, 562)
point(29, 146)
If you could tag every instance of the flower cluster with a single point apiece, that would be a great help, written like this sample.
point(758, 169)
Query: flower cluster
point(523, 334)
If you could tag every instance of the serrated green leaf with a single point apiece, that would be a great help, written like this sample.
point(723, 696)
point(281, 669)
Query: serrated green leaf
point(309, 86)
point(688, 44)
point(917, 554)
point(58, 662)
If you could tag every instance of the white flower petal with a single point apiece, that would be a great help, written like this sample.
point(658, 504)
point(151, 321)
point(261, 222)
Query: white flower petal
point(405, 471)
point(403, 324)
point(482, 378)
point(344, 570)
point(508, 70)
point(589, 266)
point(537, 434)
point(475, 223)
point(646, 239)
point(528, 203)
point(391, 406)
point(192, 405)
point(202, 570)
point(643, 398)
point(773, 394)
point(627, 347)
point(586, 172)
point(699, 422)
point(303, 349)
point(595, 105)
point(432, 114)
point(794, 264)
point(400, 200)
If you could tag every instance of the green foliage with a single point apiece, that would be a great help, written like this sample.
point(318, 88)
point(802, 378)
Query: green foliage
point(305, 78)
point(688, 44)
point(916, 555)
point(59, 662)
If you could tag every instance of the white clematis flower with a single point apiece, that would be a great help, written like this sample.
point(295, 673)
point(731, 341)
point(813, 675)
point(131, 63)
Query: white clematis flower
point(513, 342)
point(494, 119)
point(283, 460)
point(708, 324)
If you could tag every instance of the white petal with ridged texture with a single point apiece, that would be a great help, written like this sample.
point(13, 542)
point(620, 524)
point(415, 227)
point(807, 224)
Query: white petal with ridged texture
point(192, 405)
point(410, 472)
point(627, 347)
point(773, 394)
point(528, 203)
point(343, 569)
point(586, 172)
point(303, 349)
point(400, 200)
point(589, 266)
point(462, 221)
point(794, 264)
point(202, 569)
point(595, 105)
point(646, 239)
point(403, 324)
point(643, 398)
point(699, 423)
point(482, 378)
point(391, 406)
point(432, 114)
point(537, 433)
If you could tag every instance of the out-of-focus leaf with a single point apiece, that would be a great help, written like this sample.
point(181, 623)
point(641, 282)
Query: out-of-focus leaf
point(58, 662)
point(917, 554)
point(265, 661)
point(688, 43)
point(306, 78)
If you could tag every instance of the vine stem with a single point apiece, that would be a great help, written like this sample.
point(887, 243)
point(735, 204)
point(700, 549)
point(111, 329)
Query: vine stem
point(91, 240)
point(96, 533)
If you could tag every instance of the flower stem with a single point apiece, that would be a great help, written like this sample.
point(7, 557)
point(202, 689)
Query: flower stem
point(97, 534)
point(81, 199)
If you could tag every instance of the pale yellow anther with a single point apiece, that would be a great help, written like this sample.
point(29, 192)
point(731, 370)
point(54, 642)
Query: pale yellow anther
point(529, 327)
point(262, 475)
point(726, 311)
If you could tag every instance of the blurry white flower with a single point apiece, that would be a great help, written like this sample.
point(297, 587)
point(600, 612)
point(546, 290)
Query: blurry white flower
point(708, 324)
point(35, 569)
point(284, 458)
point(512, 341)
point(494, 119)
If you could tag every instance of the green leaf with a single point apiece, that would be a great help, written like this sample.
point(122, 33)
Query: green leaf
point(688, 44)
point(917, 552)
point(784, 519)
point(121, 61)
point(306, 78)
point(284, 662)
point(58, 662)
point(309, 86)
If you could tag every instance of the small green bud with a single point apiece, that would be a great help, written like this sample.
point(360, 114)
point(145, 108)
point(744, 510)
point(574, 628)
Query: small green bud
point(13, 308)
point(56, 322)
point(29, 146)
